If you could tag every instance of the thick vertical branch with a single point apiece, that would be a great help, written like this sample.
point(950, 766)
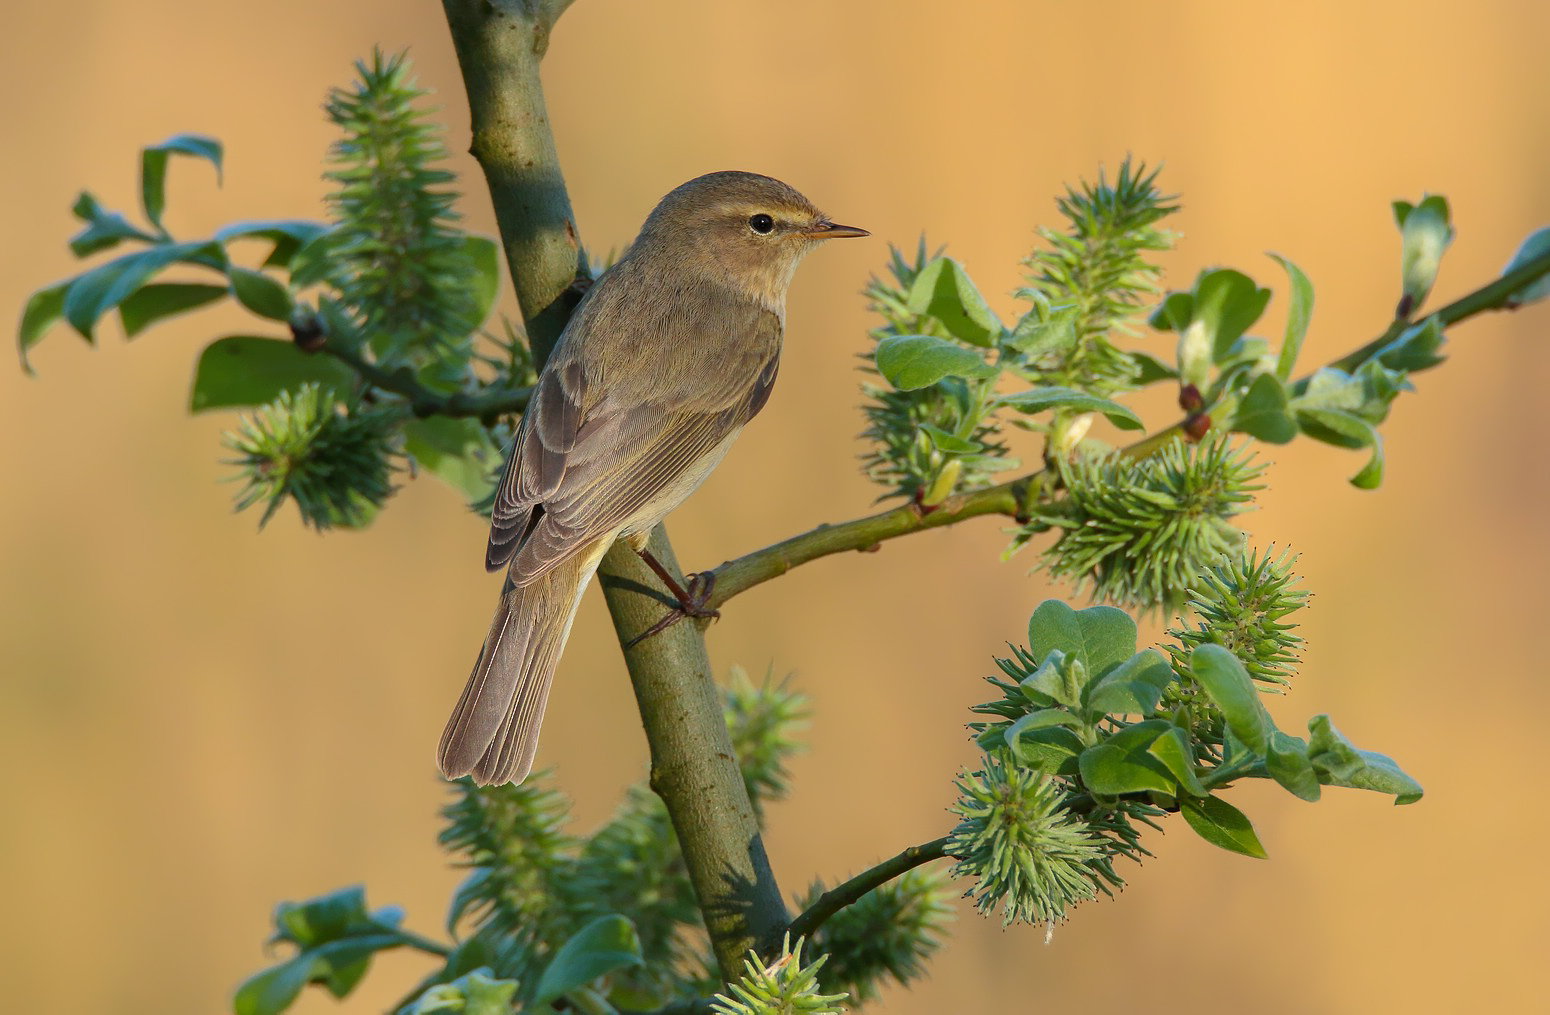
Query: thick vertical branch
point(693, 766)
point(499, 45)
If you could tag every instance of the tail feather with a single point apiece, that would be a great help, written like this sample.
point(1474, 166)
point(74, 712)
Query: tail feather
point(493, 732)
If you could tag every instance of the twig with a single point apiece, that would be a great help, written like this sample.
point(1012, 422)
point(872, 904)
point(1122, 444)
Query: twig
point(425, 402)
point(740, 575)
point(840, 896)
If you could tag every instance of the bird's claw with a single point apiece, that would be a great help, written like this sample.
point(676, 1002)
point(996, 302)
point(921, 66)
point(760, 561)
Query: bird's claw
point(691, 603)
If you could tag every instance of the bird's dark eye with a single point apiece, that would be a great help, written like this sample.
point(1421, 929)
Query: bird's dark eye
point(761, 223)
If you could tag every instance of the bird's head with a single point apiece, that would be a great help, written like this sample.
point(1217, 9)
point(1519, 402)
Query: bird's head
point(749, 229)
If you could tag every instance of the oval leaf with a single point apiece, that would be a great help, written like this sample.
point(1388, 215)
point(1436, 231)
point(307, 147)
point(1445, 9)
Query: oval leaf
point(95, 293)
point(605, 944)
point(150, 303)
point(1111, 771)
point(1232, 690)
point(1227, 303)
point(1172, 749)
point(1134, 687)
point(1298, 315)
point(910, 362)
point(943, 290)
point(1221, 824)
point(153, 168)
point(1102, 637)
point(245, 370)
point(1288, 764)
point(1043, 399)
point(1263, 411)
point(43, 308)
point(260, 294)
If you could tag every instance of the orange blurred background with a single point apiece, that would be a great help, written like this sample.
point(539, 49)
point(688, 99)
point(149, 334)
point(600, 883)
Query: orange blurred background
point(198, 720)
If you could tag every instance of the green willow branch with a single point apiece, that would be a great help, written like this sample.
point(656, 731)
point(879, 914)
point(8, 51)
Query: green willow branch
point(840, 896)
point(868, 533)
point(425, 402)
point(1496, 296)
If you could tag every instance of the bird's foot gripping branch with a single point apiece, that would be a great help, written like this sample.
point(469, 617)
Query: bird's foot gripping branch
point(373, 361)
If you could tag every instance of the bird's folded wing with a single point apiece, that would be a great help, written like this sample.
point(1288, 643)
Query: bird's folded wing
point(584, 466)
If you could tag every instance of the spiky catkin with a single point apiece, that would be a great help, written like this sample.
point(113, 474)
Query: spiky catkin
point(334, 459)
point(1139, 533)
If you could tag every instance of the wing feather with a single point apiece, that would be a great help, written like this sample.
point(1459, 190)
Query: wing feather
point(604, 447)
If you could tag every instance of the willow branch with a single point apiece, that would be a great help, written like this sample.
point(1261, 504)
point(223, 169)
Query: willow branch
point(840, 896)
point(694, 769)
point(1010, 498)
point(492, 401)
point(499, 45)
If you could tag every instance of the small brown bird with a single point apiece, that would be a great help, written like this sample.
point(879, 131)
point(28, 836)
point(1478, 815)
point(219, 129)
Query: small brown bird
point(665, 359)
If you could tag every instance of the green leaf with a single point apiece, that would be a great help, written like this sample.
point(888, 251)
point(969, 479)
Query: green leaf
point(1221, 824)
point(1298, 316)
point(1227, 302)
point(246, 370)
point(605, 944)
point(43, 308)
point(322, 919)
point(260, 293)
point(1535, 246)
point(486, 255)
point(1174, 313)
point(1232, 690)
point(287, 235)
point(1100, 637)
point(944, 441)
point(1134, 687)
point(474, 993)
point(943, 290)
point(1339, 763)
point(151, 303)
point(1043, 399)
point(1041, 738)
point(1263, 411)
point(1111, 769)
point(1345, 430)
point(459, 452)
point(1415, 348)
point(1172, 749)
point(1425, 234)
point(919, 361)
point(274, 989)
point(1059, 678)
point(1288, 764)
point(95, 293)
point(153, 169)
point(104, 229)
point(1152, 369)
point(1044, 333)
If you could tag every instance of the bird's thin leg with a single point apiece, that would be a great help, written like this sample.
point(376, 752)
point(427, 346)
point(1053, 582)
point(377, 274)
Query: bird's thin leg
point(691, 601)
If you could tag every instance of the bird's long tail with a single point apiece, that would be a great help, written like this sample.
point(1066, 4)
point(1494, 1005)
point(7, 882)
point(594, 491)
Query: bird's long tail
point(493, 732)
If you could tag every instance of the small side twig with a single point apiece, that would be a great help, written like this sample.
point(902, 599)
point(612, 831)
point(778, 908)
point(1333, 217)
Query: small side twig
point(837, 898)
point(425, 402)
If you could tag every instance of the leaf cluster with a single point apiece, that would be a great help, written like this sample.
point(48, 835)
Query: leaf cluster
point(1092, 738)
point(380, 308)
point(945, 354)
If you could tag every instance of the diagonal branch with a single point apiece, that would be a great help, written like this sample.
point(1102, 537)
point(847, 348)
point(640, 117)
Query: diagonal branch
point(1008, 499)
point(840, 896)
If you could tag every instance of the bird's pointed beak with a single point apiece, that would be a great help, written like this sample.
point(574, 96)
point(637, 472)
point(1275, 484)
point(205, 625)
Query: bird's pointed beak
point(833, 231)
